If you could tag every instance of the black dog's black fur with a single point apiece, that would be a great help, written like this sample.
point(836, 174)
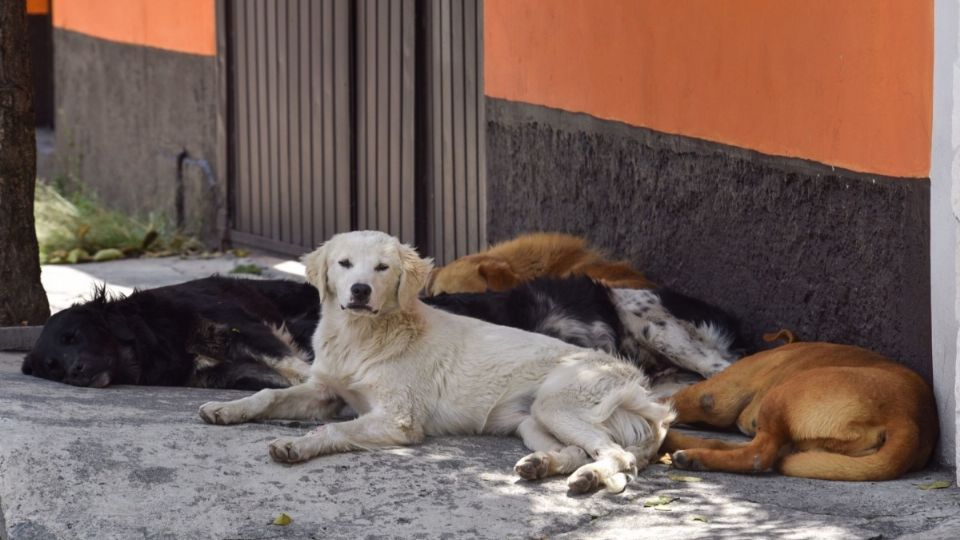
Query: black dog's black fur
point(590, 318)
point(215, 332)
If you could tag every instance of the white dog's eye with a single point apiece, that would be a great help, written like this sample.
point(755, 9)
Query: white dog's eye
point(380, 267)
point(346, 263)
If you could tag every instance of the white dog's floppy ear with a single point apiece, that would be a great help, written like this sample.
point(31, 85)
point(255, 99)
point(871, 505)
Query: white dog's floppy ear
point(414, 273)
point(315, 264)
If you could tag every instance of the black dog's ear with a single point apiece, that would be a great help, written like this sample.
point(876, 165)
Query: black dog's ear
point(118, 326)
point(27, 367)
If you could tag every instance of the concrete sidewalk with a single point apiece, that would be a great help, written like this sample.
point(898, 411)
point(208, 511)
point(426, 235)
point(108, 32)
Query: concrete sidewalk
point(137, 462)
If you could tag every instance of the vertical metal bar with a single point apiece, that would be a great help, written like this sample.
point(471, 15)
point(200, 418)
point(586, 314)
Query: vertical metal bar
point(261, 219)
point(394, 140)
point(273, 178)
point(482, 133)
point(407, 136)
point(318, 91)
point(342, 111)
point(383, 114)
point(370, 68)
point(294, 121)
point(458, 153)
point(470, 104)
point(282, 214)
point(446, 135)
point(363, 165)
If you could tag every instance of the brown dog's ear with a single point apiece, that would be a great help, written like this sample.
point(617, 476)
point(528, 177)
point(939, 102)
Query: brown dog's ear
point(433, 277)
point(315, 264)
point(414, 274)
point(498, 274)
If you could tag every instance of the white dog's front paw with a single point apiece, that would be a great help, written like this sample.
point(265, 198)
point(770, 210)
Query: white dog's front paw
point(534, 466)
point(291, 449)
point(223, 413)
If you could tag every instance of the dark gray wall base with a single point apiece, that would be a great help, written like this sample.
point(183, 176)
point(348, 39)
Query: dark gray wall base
point(19, 338)
point(124, 114)
point(781, 243)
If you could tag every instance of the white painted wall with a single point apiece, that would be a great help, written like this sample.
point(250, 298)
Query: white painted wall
point(944, 212)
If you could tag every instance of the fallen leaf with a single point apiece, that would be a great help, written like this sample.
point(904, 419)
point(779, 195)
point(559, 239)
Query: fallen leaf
point(938, 484)
point(682, 478)
point(701, 519)
point(282, 520)
point(660, 500)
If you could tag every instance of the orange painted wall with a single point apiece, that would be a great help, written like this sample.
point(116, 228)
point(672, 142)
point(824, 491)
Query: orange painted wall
point(187, 26)
point(843, 82)
point(38, 7)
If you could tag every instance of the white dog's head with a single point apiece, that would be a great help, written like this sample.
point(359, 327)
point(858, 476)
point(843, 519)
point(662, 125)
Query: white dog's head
point(367, 273)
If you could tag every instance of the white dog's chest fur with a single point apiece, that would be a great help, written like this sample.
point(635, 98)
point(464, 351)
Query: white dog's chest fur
point(457, 375)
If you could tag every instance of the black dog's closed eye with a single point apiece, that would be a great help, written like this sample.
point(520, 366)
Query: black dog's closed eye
point(380, 267)
point(345, 263)
point(68, 339)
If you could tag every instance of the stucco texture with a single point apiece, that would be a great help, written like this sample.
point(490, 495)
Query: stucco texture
point(831, 255)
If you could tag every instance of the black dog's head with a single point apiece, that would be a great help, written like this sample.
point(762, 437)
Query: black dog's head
point(81, 345)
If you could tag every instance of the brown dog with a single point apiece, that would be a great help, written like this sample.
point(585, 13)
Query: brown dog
point(530, 256)
point(816, 410)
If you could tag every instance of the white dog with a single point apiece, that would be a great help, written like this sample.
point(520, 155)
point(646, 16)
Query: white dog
point(411, 371)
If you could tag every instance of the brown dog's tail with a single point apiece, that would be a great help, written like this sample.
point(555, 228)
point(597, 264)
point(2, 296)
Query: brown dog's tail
point(787, 336)
point(896, 457)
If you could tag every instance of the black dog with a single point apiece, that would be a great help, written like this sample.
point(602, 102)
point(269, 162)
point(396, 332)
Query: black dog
point(658, 329)
point(245, 334)
point(215, 332)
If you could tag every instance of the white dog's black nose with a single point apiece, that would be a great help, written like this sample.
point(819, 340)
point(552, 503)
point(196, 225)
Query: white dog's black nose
point(360, 292)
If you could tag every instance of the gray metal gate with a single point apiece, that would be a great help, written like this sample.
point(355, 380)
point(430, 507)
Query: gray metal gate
point(347, 114)
point(291, 143)
point(454, 136)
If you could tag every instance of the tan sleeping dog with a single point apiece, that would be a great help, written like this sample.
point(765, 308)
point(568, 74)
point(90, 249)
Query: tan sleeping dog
point(530, 256)
point(816, 410)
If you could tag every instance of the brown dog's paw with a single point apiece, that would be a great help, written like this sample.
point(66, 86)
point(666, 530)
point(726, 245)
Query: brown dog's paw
point(682, 460)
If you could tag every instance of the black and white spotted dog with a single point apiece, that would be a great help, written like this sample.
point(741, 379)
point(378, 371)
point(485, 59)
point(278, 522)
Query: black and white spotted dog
point(659, 329)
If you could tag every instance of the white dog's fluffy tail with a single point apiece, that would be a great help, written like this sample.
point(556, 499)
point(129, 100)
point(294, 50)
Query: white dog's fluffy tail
point(633, 418)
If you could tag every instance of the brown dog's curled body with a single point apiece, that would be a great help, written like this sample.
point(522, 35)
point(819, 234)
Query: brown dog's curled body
point(530, 256)
point(816, 410)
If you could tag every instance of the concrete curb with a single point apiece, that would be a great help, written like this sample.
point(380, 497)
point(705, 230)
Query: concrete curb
point(19, 338)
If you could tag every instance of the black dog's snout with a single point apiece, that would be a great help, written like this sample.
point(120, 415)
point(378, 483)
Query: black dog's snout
point(77, 368)
point(361, 292)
